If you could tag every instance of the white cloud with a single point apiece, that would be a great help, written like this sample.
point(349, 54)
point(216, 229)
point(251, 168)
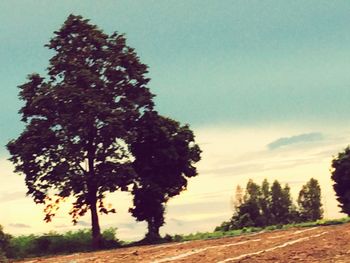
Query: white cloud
point(12, 196)
point(19, 225)
point(296, 139)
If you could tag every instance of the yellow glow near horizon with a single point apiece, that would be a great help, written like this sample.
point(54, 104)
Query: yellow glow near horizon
point(230, 156)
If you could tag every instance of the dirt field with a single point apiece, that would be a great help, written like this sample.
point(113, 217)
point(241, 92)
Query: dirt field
point(317, 244)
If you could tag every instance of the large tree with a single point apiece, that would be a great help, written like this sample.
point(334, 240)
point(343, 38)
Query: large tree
point(341, 178)
point(79, 120)
point(165, 153)
point(309, 201)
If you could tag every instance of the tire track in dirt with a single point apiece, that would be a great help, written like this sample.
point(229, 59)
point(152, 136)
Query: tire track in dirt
point(200, 250)
point(269, 242)
point(320, 244)
point(272, 248)
point(192, 255)
point(146, 253)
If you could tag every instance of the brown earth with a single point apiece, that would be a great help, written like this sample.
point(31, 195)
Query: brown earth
point(317, 244)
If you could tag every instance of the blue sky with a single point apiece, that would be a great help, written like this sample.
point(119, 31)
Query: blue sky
point(276, 68)
point(234, 62)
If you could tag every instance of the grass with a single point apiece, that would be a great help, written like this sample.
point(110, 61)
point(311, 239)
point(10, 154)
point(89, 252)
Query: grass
point(80, 241)
point(249, 230)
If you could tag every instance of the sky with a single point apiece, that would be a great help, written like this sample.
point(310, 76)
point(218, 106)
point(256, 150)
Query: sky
point(263, 84)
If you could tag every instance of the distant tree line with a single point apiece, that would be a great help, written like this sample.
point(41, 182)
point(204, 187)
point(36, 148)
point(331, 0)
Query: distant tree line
point(261, 206)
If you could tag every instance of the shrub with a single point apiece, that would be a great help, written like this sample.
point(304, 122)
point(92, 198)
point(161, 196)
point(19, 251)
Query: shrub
point(4, 244)
point(55, 243)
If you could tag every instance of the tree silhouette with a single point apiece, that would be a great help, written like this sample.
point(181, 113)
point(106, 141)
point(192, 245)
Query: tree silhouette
point(251, 199)
point(4, 244)
point(79, 120)
point(165, 153)
point(341, 178)
point(309, 201)
point(248, 212)
point(265, 203)
point(281, 203)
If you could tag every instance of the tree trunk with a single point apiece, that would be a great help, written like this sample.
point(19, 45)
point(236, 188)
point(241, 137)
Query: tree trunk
point(153, 231)
point(96, 231)
point(92, 188)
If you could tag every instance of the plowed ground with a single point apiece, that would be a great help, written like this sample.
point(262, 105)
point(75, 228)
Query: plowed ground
point(317, 244)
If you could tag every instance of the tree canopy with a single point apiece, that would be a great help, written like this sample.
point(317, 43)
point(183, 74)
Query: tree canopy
point(165, 153)
point(309, 201)
point(265, 203)
point(79, 120)
point(280, 203)
point(341, 178)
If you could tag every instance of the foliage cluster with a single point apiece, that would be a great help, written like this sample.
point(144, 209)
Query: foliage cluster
point(4, 244)
point(341, 177)
point(91, 129)
point(262, 206)
point(164, 154)
point(54, 243)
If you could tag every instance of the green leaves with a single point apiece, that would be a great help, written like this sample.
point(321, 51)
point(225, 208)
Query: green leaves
point(91, 129)
point(309, 201)
point(262, 206)
point(165, 153)
point(79, 119)
point(341, 177)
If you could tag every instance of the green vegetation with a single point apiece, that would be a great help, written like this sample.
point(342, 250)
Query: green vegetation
point(87, 132)
point(4, 244)
point(54, 243)
point(250, 230)
point(78, 120)
point(341, 178)
point(309, 201)
point(262, 206)
point(164, 154)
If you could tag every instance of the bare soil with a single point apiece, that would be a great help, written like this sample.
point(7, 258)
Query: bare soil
point(316, 244)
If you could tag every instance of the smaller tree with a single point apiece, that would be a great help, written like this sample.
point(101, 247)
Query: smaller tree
point(265, 203)
point(251, 202)
point(309, 201)
point(287, 198)
point(165, 153)
point(248, 212)
point(281, 203)
point(237, 200)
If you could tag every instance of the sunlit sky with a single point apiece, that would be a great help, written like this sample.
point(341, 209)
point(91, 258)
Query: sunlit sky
point(265, 86)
